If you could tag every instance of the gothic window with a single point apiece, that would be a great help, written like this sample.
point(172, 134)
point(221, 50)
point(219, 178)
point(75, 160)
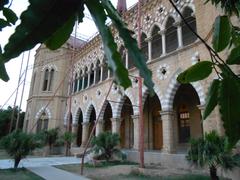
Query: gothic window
point(75, 83)
point(33, 82)
point(130, 62)
point(85, 78)
point(171, 35)
point(48, 80)
point(105, 69)
point(51, 80)
point(156, 43)
point(123, 55)
point(98, 72)
point(45, 80)
point(42, 123)
point(144, 45)
point(91, 75)
point(188, 36)
point(80, 79)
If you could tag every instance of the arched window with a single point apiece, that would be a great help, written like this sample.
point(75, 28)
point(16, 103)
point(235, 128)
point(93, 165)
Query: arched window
point(50, 86)
point(33, 82)
point(85, 78)
point(91, 74)
point(98, 71)
point(45, 80)
point(188, 36)
point(130, 62)
point(144, 45)
point(42, 123)
point(105, 69)
point(171, 35)
point(156, 43)
point(123, 55)
point(75, 83)
point(80, 79)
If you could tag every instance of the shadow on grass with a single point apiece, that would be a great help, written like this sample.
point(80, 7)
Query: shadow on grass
point(18, 174)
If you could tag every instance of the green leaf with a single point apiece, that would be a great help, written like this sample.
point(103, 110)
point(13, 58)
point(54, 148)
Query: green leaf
point(229, 103)
point(234, 57)
point(212, 98)
point(3, 24)
point(110, 47)
point(3, 72)
point(61, 35)
point(222, 33)
point(197, 72)
point(131, 44)
point(10, 15)
point(3, 3)
point(38, 23)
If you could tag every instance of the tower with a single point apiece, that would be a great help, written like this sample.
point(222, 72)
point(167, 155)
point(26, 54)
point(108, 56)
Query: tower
point(121, 6)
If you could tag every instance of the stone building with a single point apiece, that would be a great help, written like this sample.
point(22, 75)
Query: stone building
point(171, 117)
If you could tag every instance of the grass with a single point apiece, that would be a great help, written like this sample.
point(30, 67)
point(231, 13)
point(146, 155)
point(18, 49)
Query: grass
point(110, 163)
point(19, 174)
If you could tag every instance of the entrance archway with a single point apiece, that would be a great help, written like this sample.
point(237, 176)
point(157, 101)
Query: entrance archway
point(127, 128)
point(153, 136)
point(107, 118)
point(188, 115)
point(79, 127)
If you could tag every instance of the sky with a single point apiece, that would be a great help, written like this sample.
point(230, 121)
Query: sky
point(7, 89)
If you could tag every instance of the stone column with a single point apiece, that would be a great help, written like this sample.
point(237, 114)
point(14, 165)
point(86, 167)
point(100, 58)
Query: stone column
point(163, 34)
point(116, 124)
point(169, 142)
point(88, 74)
point(127, 60)
point(136, 131)
point(78, 84)
point(85, 131)
point(84, 79)
point(74, 130)
point(101, 75)
point(99, 127)
point(149, 40)
point(179, 33)
point(95, 75)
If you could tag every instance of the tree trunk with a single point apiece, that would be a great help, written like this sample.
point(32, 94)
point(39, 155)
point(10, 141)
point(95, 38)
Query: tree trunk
point(16, 162)
point(67, 150)
point(213, 173)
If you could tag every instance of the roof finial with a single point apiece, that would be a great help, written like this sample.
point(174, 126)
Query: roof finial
point(122, 6)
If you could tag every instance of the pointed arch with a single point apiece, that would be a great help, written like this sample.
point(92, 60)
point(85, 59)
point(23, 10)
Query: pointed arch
point(173, 87)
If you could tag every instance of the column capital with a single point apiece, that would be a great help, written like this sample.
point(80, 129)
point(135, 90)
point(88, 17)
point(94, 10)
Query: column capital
point(148, 39)
point(167, 112)
point(85, 123)
point(201, 107)
point(116, 119)
point(177, 23)
point(162, 32)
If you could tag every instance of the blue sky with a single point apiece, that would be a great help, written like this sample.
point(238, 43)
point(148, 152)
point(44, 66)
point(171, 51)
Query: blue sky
point(86, 29)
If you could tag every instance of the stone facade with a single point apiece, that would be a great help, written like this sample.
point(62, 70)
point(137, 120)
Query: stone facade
point(172, 116)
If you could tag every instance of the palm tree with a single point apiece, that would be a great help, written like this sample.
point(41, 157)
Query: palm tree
point(212, 151)
point(105, 145)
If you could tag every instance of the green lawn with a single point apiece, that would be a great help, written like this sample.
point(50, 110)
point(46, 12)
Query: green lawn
point(19, 174)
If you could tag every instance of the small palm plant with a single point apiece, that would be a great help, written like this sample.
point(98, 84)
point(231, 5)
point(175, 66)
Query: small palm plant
point(105, 145)
point(212, 151)
point(49, 138)
point(19, 144)
point(68, 138)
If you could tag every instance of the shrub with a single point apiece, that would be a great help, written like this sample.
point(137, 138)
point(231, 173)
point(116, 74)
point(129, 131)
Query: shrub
point(19, 144)
point(105, 145)
point(213, 151)
point(68, 138)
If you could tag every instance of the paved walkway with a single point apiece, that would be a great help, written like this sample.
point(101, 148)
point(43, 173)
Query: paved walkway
point(40, 162)
point(52, 173)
